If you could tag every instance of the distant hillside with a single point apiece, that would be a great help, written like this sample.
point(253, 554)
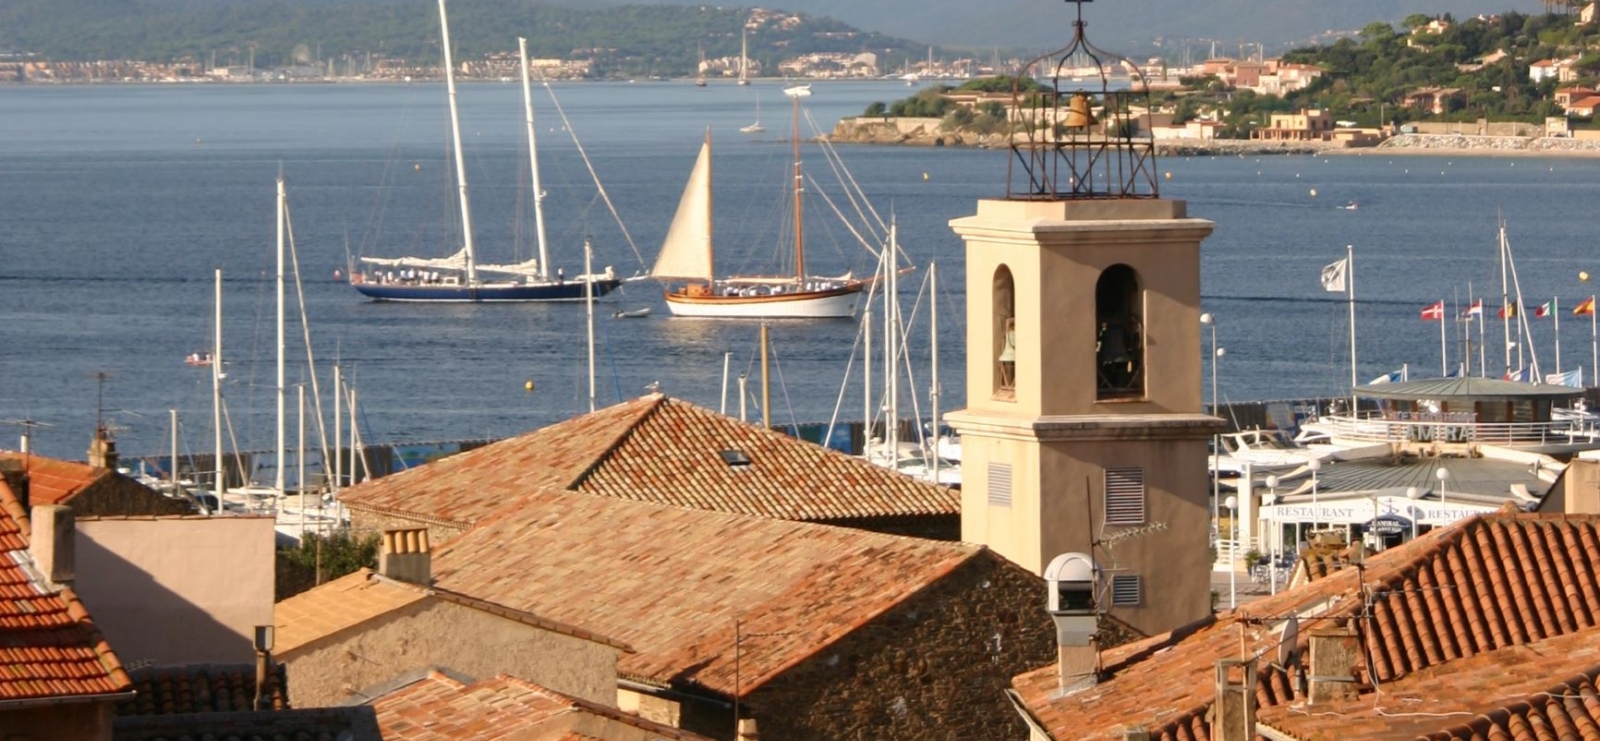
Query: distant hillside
point(1040, 23)
point(635, 39)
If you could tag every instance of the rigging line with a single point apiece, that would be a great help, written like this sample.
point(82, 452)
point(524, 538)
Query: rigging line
point(592, 174)
point(852, 188)
point(817, 190)
point(794, 422)
point(305, 331)
point(849, 367)
point(616, 380)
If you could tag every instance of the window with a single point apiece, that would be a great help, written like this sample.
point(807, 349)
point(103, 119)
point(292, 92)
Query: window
point(999, 484)
point(1119, 338)
point(1125, 496)
point(1126, 591)
point(1005, 333)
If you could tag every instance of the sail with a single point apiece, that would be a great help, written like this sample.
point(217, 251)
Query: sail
point(457, 261)
point(528, 268)
point(686, 252)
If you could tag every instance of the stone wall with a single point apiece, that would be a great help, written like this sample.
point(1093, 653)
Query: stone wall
point(440, 634)
point(934, 667)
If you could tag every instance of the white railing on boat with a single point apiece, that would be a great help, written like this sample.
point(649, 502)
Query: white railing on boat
point(1379, 429)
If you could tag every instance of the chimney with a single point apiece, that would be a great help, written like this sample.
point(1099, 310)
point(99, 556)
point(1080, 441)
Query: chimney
point(1070, 579)
point(103, 450)
point(406, 556)
point(1334, 658)
point(1234, 715)
point(51, 542)
point(263, 646)
point(747, 730)
point(15, 474)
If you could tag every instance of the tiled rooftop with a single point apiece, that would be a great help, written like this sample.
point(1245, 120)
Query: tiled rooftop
point(52, 481)
point(356, 598)
point(671, 582)
point(1474, 589)
point(209, 688)
point(439, 708)
point(314, 724)
point(49, 647)
point(659, 450)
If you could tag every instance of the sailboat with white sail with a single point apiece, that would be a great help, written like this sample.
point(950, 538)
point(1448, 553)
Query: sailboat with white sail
point(459, 277)
point(686, 254)
point(755, 128)
point(744, 63)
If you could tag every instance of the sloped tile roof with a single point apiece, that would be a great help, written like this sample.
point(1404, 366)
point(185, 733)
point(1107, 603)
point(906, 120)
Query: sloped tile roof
point(1477, 587)
point(202, 688)
point(313, 724)
point(52, 481)
point(671, 582)
point(1544, 689)
point(334, 607)
point(661, 450)
point(49, 647)
point(439, 708)
point(349, 601)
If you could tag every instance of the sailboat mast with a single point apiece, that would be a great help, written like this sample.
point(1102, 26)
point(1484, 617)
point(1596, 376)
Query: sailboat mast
point(533, 162)
point(891, 356)
point(588, 300)
point(744, 55)
point(933, 355)
point(216, 390)
point(799, 238)
point(1505, 295)
point(455, 137)
point(282, 451)
point(711, 224)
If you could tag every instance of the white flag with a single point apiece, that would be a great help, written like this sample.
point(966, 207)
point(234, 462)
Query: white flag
point(1333, 276)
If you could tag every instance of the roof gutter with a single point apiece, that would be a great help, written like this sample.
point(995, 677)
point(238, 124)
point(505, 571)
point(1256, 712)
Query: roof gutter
point(670, 694)
point(36, 702)
point(1027, 717)
point(1272, 734)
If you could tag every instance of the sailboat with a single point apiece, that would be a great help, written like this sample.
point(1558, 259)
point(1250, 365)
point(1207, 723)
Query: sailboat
point(700, 71)
point(744, 66)
point(457, 278)
point(755, 128)
point(686, 254)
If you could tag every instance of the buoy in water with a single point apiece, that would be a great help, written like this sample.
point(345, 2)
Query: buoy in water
point(924, 177)
point(1313, 192)
point(1583, 275)
point(417, 167)
point(1169, 174)
point(527, 385)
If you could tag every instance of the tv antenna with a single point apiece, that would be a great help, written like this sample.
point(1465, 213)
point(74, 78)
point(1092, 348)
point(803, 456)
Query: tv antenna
point(28, 426)
point(100, 398)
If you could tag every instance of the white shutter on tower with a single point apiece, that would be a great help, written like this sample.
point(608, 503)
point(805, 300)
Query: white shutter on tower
point(1125, 497)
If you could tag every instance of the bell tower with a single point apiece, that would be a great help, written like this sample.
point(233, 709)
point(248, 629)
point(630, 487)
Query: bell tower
point(1084, 429)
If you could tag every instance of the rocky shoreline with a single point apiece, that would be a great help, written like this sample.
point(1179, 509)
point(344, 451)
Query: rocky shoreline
point(929, 132)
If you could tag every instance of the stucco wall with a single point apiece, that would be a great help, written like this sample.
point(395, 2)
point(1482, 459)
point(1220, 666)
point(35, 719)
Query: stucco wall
point(187, 590)
point(934, 667)
point(436, 633)
point(73, 722)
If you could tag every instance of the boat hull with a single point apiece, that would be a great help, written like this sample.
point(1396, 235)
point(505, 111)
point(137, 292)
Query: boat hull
point(482, 292)
point(830, 304)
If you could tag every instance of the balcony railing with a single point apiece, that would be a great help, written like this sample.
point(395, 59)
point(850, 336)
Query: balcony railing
point(1459, 429)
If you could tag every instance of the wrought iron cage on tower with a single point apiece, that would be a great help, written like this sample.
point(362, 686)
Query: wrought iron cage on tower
point(1076, 133)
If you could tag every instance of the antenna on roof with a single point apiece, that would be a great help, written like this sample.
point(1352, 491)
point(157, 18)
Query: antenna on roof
point(100, 398)
point(27, 426)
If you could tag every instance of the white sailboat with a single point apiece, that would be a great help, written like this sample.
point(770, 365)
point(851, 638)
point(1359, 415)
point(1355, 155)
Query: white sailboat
point(744, 66)
point(686, 254)
point(755, 128)
point(700, 71)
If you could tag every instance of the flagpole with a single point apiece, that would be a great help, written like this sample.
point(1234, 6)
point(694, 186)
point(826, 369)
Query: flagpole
point(1505, 296)
point(1594, 347)
point(1555, 311)
point(1444, 356)
point(1483, 362)
point(1350, 285)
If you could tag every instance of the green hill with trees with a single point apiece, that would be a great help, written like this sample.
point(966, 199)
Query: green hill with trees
point(623, 40)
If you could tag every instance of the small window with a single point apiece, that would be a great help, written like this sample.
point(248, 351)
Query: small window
point(1125, 497)
point(1119, 335)
point(735, 458)
point(1004, 309)
point(1126, 591)
point(999, 484)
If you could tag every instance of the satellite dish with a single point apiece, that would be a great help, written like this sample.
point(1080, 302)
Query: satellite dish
point(1289, 647)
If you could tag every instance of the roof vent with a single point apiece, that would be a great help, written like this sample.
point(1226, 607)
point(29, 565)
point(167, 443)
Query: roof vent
point(735, 458)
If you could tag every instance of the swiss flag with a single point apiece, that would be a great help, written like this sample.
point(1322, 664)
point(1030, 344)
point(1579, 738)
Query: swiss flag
point(1433, 312)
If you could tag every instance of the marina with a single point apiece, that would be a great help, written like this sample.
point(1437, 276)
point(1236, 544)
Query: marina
point(137, 213)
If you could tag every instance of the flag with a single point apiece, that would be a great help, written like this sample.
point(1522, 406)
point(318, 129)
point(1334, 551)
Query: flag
point(1508, 311)
point(1542, 311)
point(1398, 375)
point(1572, 378)
point(1333, 276)
point(1433, 312)
point(1524, 375)
point(1459, 372)
point(1585, 306)
point(1476, 309)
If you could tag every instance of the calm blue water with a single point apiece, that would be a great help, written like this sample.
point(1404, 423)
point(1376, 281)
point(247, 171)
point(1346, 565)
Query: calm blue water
point(117, 202)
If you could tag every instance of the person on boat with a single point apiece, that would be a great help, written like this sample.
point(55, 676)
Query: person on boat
point(561, 275)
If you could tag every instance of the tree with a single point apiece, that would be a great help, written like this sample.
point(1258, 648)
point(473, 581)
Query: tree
point(321, 558)
point(1415, 20)
point(876, 109)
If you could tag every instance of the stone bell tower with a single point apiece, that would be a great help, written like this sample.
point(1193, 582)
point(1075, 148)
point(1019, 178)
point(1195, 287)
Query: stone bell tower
point(1084, 429)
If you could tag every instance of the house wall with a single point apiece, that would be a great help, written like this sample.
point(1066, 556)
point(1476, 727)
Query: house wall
point(437, 633)
point(364, 522)
point(934, 667)
point(177, 590)
point(71, 722)
point(120, 495)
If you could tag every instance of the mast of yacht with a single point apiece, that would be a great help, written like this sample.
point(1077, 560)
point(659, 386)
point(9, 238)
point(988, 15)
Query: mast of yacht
point(277, 479)
point(891, 350)
point(533, 162)
point(588, 300)
point(1505, 295)
point(338, 418)
point(933, 342)
point(799, 238)
point(744, 56)
point(455, 139)
point(218, 480)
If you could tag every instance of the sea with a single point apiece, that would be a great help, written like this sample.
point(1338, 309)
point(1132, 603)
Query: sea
point(117, 203)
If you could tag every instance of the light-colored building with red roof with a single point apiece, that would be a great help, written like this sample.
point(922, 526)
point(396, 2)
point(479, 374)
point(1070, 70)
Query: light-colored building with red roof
point(90, 490)
point(661, 450)
point(59, 679)
point(1486, 629)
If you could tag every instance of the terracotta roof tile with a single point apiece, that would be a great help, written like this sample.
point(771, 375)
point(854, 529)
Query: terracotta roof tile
point(207, 688)
point(1475, 588)
point(52, 481)
point(672, 582)
point(660, 450)
point(49, 646)
point(438, 708)
point(315, 724)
